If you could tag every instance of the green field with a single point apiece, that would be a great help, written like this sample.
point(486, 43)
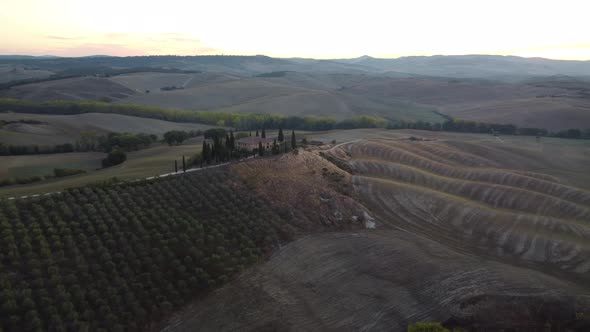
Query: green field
point(26, 166)
point(140, 164)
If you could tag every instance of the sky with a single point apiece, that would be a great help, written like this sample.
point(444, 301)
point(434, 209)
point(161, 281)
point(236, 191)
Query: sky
point(296, 28)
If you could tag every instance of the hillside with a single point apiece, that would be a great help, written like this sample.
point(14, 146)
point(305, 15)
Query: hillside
point(113, 258)
point(381, 281)
point(467, 227)
point(553, 102)
point(377, 231)
point(81, 88)
point(60, 129)
point(483, 66)
point(18, 73)
point(475, 66)
point(527, 216)
point(553, 113)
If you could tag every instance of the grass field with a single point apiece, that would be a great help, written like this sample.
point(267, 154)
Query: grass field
point(26, 166)
point(140, 164)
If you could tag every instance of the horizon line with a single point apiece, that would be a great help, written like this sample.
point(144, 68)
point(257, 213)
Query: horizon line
point(281, 57)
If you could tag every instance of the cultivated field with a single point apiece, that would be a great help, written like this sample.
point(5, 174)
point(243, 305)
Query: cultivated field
point(469, 228)
point(59, 129)
point(17, 73)
point(551, 113)
point(79, 88)
point(380, 281)
point(444, 227)
point(462, 194)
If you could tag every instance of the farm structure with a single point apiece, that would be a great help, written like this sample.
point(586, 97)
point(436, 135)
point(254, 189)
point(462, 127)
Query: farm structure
point(251, 143)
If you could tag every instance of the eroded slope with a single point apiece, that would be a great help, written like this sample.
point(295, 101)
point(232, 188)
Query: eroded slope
point(462, 200)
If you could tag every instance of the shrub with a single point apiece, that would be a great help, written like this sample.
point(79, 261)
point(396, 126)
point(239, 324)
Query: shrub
point(61, 172)
point(427, 327)
point(114, 157)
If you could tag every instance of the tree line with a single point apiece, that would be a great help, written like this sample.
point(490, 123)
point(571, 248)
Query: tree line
point(239, 121)
point(463, 126)
point(88, 142)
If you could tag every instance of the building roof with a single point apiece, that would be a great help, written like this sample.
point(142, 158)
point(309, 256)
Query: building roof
point(253, 140)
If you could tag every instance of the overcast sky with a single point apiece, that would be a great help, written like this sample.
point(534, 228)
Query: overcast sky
point(297, 28)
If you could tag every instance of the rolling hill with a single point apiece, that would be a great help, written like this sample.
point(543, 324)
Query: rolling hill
point(467, 228)
point(60, 129)
point(526, 92)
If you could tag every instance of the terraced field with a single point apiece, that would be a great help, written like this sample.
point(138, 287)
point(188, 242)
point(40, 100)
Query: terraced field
point(473, 203)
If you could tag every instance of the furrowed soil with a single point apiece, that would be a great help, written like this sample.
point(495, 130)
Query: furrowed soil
point(475, 231)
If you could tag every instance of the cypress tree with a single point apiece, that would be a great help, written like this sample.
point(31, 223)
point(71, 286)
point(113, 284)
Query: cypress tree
point(257, 133)
point(204, 152)
point(281, 136)
point(175, 166)
point(232, 139)
point(263, 133)
point(183, 164)
point(293, 140)
point(207, 153)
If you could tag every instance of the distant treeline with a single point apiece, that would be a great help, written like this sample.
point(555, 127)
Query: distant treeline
point(239, 121)
point(22, 121)
point(273, 74)
point(88, 142)
point(490, 128)
point(99, 71)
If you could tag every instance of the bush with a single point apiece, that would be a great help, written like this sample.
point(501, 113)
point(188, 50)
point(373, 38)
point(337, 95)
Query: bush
point(115, 157)
point(61, 172)
point(25, 180)
point(427, 327)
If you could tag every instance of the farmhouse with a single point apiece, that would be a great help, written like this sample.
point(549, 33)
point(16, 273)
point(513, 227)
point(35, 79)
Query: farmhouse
point(251, 143)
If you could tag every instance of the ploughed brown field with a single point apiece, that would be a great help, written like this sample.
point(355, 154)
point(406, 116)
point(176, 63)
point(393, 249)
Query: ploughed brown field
point(473, 230)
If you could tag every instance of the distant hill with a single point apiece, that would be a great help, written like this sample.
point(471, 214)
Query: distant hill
point(26, 57)
point(463, 66)
point(554, 94)
point(474, 66)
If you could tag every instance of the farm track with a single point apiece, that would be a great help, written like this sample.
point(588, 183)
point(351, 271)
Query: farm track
point(471, 205)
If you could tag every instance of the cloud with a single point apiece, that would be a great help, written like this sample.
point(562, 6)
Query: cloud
point(62, 37)
point(116, 35)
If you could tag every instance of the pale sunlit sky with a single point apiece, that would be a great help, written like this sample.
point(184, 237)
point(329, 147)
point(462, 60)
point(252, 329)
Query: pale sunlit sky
point(296, 28)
